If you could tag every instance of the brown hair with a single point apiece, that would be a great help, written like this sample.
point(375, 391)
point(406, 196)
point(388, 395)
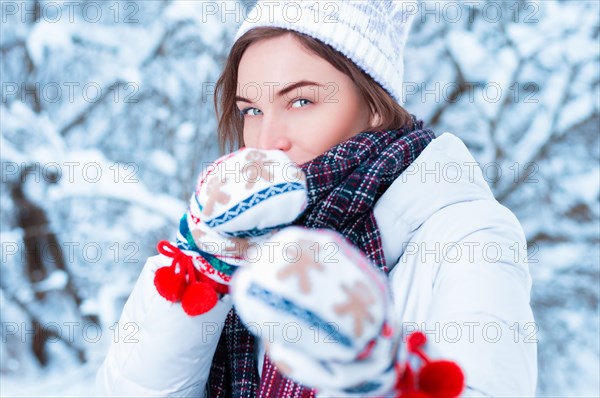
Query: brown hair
point(231, 123)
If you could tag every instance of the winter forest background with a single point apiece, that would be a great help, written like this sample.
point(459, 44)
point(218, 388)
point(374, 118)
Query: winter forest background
point(107, 115)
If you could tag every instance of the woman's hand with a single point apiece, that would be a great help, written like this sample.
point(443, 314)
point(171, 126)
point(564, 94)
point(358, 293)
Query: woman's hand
point(330, 308)
point(250, 192)
point(166, 353)
point(239, 202)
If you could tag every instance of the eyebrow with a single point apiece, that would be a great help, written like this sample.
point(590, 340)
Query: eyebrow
point(286, 90)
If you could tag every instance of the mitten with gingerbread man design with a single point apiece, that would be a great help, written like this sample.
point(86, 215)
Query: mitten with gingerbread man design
point(334, 306)
point(239, 202)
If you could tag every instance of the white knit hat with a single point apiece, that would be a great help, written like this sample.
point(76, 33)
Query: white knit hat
point(370, 33)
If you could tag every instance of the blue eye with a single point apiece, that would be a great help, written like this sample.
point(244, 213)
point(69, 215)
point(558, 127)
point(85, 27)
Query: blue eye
point(243, 111)
point(298, 100)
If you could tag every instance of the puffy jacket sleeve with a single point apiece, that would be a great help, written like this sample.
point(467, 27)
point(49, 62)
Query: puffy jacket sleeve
point(480, 308)
point(464, 281)
point(169, 354)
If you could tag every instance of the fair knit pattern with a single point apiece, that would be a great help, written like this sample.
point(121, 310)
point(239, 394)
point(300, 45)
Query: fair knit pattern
point(340, 306)
point(239, 201)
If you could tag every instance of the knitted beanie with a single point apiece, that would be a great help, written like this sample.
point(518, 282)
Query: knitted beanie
point(372, 34)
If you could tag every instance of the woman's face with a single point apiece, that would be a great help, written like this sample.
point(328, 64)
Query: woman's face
point(295, 101)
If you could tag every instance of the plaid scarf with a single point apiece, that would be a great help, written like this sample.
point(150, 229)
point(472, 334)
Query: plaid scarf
point(343, 185)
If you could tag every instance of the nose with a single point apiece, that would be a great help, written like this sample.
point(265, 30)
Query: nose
point(274, 134)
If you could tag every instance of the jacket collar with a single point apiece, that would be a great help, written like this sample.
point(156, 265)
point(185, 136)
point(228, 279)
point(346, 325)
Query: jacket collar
point(445, 173)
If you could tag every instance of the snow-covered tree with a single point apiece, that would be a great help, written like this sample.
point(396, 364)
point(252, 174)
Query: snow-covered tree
point(518, 81)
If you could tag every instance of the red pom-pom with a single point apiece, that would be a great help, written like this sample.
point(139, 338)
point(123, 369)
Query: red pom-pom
point(169, 284)
point(441, 379)
point(415, 341)
point(199, 298)
point(405, 386)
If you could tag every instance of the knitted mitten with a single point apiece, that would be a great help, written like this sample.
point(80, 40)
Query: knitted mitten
point(333, 309)
point(239, 202)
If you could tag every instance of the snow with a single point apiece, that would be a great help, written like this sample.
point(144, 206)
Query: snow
point(552, 56)
point(57, 280)
point(541, 129)
point(131, 74)
point(577, 111)
point(10, 154)
point(105, 188)
point(580, 49)
point(526, 39)
point(172, 86)
point(47, 35)
point(500, 80)
point(25, 295)
point(161, 113)
point(585, 187)
point(108, 301)
point(555, 258)
point(214, 19)
point(536, 135)
point(205, 65)
point(467, 50)
point(19, 116)
point(164, 162)
point(143, 220)
point(69, 382)
point(186, 131)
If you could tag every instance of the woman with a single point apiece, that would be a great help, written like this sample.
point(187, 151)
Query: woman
point(416, 205)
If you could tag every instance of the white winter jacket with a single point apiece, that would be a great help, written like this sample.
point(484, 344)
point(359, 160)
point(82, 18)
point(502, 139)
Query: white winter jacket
point(460, 275)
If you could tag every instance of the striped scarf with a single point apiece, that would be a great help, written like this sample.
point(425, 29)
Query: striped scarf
point(343, 185)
